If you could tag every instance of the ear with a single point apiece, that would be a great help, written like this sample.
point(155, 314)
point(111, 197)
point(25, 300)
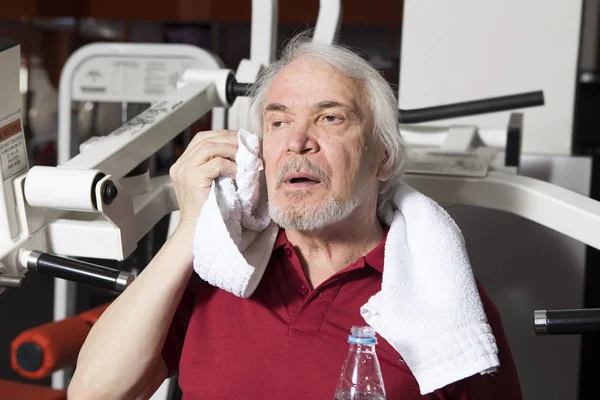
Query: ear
point(384, 171)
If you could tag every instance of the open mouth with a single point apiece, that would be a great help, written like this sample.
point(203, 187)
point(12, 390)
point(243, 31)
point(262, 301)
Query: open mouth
point(301, 180)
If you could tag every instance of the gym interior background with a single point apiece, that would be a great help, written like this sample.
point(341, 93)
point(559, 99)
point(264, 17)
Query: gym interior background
point(507, 249)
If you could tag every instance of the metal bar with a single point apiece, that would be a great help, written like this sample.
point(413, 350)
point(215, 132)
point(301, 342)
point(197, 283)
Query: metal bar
point(574, 215)
point(329, 21)
point(567, 322)
point(121, 151)
point(128, 146)
point(79, 271)
point(468, 108)
point(263, 32)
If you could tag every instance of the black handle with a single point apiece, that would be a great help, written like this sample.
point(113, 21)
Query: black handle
point(475, 107)
point(83, 272)
point(567, 322)
point(233, 89)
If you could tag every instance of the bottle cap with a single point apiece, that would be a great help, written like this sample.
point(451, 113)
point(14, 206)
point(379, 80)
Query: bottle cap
point(362, 335)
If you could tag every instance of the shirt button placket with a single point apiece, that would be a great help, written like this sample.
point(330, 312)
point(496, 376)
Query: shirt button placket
point(303, 289)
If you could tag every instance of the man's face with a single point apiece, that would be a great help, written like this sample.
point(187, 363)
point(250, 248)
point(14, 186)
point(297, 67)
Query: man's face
point(321, 159)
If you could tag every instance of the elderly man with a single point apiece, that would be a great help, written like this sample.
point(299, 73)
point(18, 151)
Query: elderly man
point(331, 150)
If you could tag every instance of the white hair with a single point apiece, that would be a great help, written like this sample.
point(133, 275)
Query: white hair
point(381, 98)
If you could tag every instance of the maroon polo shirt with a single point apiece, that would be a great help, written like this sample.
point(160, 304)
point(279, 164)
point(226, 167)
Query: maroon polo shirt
point(289, 342)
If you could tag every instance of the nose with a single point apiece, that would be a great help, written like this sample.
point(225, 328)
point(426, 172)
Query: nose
point(302, 139)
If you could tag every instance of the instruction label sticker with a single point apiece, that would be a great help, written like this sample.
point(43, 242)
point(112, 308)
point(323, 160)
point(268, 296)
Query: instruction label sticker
point(425, 162)
point(13, 150)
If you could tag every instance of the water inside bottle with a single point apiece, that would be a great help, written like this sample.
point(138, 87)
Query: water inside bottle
point(346, 395)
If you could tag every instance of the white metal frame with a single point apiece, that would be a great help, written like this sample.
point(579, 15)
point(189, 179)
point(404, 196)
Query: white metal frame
point(263, 45)
point(263, 31)
point(128, 52)
point(81, 60)
point(329, 21)
point(562, 210)
point(113, 231)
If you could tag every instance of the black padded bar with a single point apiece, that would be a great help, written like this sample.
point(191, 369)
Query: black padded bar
point(475, 107)
point(79, 271)
point(570, 322)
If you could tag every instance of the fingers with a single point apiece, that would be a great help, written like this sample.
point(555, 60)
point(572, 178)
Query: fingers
point(208, 151)
point(219, 166)
point(222, 136)
point(209, 155)
point(202, 176)
point(202, 155)
point(205, 140)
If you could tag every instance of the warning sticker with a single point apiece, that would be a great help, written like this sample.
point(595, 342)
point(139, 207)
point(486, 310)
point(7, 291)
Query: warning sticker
point(13, 150)
point(10, 129)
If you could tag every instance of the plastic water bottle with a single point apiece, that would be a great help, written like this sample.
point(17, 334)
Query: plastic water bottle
point(361, 375)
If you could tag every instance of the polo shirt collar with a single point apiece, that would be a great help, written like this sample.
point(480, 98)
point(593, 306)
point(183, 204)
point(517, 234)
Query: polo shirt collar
point(373, 259)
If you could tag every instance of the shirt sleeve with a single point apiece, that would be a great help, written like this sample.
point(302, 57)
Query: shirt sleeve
point(171, 351)
point(504, 383)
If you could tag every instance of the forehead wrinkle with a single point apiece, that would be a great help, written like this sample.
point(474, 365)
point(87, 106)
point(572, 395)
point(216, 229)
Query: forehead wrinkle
point(349, 88)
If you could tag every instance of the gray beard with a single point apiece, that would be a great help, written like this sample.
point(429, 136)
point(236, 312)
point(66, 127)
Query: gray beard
point(304, 219)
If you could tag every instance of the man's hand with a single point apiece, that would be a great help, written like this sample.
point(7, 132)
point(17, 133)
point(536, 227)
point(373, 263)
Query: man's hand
point(209, 154)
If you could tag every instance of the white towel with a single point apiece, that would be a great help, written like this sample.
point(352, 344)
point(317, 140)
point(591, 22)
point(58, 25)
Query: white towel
point(234, 235)
point(428, 308)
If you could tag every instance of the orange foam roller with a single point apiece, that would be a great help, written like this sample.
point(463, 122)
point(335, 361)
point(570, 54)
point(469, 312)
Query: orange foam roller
point(23, 391)
point(38, 352)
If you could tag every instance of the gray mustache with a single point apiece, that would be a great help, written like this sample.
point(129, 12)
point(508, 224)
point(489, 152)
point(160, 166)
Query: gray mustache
point(300, 165)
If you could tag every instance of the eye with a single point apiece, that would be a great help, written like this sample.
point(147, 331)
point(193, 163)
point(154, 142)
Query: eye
point(332, 118)
point(278, 122)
